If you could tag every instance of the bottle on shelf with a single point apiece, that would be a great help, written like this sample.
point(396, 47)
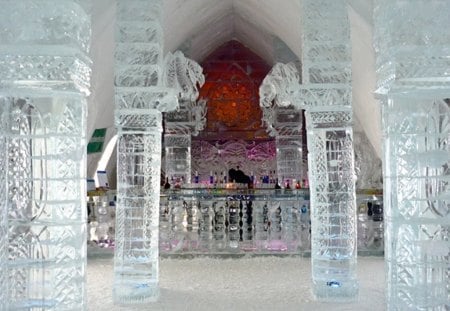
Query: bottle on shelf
point(297, 185)
point(215, 179)
point(277, 184)
point(167, 184)
point(378, 226)
point(196, 178)
point(225, 179)
point(287, 186)
point(305, 183)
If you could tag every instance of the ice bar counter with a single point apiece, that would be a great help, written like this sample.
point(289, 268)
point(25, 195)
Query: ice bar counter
point(216, 221)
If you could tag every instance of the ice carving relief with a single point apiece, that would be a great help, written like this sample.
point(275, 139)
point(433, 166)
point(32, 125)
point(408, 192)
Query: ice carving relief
point(184, 75)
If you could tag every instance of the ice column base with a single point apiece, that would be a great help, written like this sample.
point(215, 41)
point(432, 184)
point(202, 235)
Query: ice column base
point(127, 293)
point(336, 291)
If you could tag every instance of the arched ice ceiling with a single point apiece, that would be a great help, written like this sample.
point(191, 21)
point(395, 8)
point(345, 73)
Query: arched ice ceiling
point(197, 27)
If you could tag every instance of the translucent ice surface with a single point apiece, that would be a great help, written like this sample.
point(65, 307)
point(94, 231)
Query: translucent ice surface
point(46, 72)
point(414, 87)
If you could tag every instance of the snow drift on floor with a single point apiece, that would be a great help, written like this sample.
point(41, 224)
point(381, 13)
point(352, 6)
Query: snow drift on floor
point(234, 284)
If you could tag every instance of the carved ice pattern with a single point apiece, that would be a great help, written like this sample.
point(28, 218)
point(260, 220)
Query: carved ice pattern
point(283, 119)
point(3, 217)
point(417, 173)
point(251, 157)
point(46, 214)
point(326, 97)
point(326, 92)
point(368, 166)
point(140, 98)
point(185, 77)
point(412, 83)
point(43, 138)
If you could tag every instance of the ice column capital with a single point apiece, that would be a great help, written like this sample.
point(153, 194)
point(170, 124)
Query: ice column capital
point(279, 102)
point(412, 52)
point(44, 44)
point(329, 117)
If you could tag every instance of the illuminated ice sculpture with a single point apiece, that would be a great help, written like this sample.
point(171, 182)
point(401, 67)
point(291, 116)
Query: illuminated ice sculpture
point(326, 96)
point(413, 61)
point(44, 82)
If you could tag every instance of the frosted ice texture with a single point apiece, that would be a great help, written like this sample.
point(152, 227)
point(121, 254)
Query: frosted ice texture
point(412, 53)
point(326, 96)
point(44, 81)
point(186, 77)
point(414, 85)
point(256, 157)
point(46, 210)
point(140, 98)
point(3, 220)
point(326, 92)
point(178, 158)
point(368, 167)
point(261, 224)
point(283, 119)
point(137, 219)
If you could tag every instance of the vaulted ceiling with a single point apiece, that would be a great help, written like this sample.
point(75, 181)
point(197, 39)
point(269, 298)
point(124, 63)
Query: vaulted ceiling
point(270, 28)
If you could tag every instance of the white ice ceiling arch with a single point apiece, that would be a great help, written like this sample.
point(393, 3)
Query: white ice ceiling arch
point(198, 27)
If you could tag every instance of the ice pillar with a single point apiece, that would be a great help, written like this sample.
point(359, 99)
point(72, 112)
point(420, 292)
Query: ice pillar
point(186, 77)
point(140, 99)
point(413, 58)
point(326, 91)
point(178, 158)
point(3, 218)
point(283, 118)
point(44, 82)
point(289, 156)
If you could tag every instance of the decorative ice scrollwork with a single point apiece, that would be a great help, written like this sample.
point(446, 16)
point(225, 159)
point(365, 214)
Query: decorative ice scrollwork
point(198, 115)
point(278, 90)
point(183, 74)
point(186, 77)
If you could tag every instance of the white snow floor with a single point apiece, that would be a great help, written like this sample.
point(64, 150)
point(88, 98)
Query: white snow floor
point(234, 284)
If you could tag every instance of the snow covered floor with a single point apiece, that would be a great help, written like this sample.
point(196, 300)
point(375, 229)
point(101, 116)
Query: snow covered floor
point(234, 284)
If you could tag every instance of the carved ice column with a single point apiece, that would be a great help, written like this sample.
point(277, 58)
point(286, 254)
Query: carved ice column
point(284, 119)
point(326, 91)
point(44, 82)
point(413, 60)
point(185, 76)
point(140, 99)
point(3, 214)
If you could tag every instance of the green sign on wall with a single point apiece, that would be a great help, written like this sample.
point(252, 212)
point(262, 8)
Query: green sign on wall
point(97, 141)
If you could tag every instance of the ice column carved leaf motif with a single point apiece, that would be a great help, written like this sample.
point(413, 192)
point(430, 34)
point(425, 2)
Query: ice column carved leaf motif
point(283, 119)
point(186, 77)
